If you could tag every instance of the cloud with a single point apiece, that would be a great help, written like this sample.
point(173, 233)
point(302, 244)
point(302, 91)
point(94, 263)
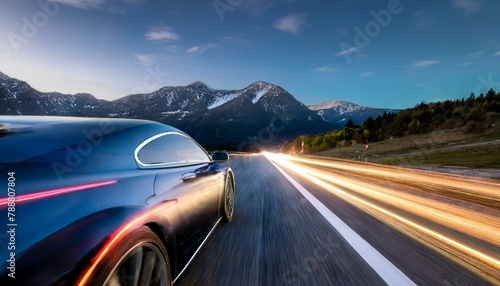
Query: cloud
point(425, 63)
point(235, 40)
point(323, 69)
point(200, 49)
point(365, 74)
point(422, 20)
point(145, 60)
point(172, 48)
point(82, 4)
point(112, 7)
point(342, 31)
point(347, 51)
point(471, 57)
point(497, 53)
point(162, 33)
point(475, 54)
point(291, 23)
point(469, 6)
point(429, 88)
point(193, 49)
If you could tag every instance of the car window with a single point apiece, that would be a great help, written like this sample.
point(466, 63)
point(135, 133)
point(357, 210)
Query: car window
point(169, 149)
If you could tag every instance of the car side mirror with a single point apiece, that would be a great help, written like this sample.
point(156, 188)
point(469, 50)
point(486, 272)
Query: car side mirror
point(220, 157)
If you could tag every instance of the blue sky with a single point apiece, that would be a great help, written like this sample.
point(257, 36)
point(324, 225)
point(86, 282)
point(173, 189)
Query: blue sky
point(386, 53)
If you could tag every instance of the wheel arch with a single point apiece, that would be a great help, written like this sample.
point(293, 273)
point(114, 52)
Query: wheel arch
point(167, 236)
point(227, 172)
point(74, 246)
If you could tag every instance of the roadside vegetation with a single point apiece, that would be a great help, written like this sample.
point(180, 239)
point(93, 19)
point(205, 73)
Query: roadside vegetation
point(462, 132)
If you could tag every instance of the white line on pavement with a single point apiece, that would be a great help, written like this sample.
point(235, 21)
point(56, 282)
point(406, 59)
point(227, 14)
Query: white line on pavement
point(384, 268)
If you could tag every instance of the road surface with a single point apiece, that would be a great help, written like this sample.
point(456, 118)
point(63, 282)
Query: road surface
point(309, 221)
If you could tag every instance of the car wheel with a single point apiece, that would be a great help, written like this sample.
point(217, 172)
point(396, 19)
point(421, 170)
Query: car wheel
point(142, 260)
point(229, 194)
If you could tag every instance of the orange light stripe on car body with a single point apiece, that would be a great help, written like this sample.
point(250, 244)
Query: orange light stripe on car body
point(115, 238)
point(55, 192)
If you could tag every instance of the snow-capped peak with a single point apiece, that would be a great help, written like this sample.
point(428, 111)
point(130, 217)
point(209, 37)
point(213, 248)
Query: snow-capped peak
point(220, 100)
point(259, 84)
point(331, 104)
point(259, 88)
point(260, 93)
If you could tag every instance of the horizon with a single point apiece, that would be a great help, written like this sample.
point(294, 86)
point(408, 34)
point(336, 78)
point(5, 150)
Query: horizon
point(391, 54)
point(193, 83)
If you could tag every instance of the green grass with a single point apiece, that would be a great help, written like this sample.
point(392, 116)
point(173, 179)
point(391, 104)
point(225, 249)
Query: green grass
point(474, 158)
point(443, 148)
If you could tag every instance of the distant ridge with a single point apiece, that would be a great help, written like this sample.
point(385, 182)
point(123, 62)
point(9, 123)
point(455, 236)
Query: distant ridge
point(260, 115)
point(331, 104)
point(339, 112)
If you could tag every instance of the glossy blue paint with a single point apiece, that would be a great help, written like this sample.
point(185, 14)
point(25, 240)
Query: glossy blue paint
point(59, 235)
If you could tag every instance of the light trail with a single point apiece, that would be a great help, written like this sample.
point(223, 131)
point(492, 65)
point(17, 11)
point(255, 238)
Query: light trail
point(115, 238)
point(391, 204)
point(55, 192)
point(478, 225)
point(483, 188)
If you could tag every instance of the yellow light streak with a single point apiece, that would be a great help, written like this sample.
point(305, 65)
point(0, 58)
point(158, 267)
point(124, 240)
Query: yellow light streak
point(478, 225)
point(482, 226)
point(488, 189)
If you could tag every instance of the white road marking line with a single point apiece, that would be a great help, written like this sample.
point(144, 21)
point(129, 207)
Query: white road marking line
point(384, 268)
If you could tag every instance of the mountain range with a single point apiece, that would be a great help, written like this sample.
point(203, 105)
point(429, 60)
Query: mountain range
point(255, 117)
point(339, 112)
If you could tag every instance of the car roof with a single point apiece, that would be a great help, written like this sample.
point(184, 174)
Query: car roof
point(38, 121)
point(23, 137)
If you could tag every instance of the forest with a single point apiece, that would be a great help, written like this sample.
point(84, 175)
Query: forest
point(475, 114)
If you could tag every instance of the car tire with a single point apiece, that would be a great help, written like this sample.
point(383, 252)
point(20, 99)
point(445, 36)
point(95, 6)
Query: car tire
point(229, 195)
point(140, 259)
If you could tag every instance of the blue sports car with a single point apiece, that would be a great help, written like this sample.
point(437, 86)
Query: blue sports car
point(105, 201)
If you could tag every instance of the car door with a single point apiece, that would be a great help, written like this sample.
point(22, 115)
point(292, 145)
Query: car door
point(184, 173)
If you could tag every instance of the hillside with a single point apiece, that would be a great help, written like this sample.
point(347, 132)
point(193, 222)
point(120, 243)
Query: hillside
point(463, 133)
point(258, 116)
point(340, 112)
point(451, 151)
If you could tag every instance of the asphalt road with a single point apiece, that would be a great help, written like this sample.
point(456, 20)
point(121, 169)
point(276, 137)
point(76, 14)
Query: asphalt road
point(278, 237)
